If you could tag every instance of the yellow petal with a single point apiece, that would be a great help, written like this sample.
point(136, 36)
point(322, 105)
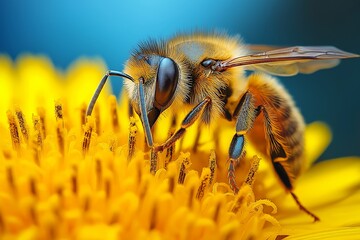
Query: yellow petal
point(329, 185)
point(317, 139)
point(346, 233)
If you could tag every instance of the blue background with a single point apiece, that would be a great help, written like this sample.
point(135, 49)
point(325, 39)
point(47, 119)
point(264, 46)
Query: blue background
point(65, 30)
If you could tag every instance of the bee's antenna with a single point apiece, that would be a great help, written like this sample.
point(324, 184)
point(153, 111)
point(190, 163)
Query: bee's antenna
point(101, 85)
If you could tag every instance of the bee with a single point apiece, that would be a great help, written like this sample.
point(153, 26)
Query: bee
point(206, 71)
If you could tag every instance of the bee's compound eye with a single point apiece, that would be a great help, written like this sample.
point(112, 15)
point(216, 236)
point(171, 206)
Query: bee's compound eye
point(166, 82)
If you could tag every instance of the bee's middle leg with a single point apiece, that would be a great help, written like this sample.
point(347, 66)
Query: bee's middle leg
point(190, 118)
point(245, 114)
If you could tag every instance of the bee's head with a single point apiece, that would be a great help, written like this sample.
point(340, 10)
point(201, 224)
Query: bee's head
point(160, 76)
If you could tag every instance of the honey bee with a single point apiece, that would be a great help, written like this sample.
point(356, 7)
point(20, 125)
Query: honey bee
point(206, 72)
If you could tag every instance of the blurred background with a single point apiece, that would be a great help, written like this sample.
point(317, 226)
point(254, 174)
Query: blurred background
point(66, 30)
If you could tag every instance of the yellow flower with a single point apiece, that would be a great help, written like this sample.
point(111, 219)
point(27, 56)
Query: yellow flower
point(65, 177)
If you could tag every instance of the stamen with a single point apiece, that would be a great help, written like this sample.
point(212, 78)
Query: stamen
point(114, 218)
point(113, 113)
point(153, 217)
point(204, 183)
point(97, 120)
point(74, 181)
point(58, 110)
point(37, 141)
point(10, 179)
point(191, 197)
point(153, 161)
point(98, 170)
point(107, 188)
point(212, 166)
point(60, 130)
point(132, 137)
point(263, 202)
point(245, 193)
point(32, 213)
point(41, 113)
point(87, 134)
point(2, 223)
point(83, 114)
point(32, 186)
point(171, 183)
point(13, 130)
point(253, 169)
point(217, 212)
point(22, 123)
point(37, 128)
point(185, 165)
point(86, 205)
point(170, 150)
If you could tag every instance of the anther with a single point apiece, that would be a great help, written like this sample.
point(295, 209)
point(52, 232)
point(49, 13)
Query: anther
point(22, 124)
point(97, 120)
point(204, 183)
point(113, 113)
point(60, 131)
point(32, 186)
point(253, 169)
point(212, 166)
point(87, 134)
point(41, 113)
point(185, 164)
point(83, 114)
point(98, 170)
point(13, 130)
point(132, 137)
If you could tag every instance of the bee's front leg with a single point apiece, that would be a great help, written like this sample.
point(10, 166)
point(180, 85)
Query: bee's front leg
point(190, 118)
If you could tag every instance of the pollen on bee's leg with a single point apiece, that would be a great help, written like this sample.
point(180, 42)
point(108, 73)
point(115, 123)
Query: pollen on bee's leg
point(87, 134)
point(15, 138)
point(114, 113)
point(22, 124)
point(132, 137)
point(184, 167)
point(204, 183)
point(253, 169)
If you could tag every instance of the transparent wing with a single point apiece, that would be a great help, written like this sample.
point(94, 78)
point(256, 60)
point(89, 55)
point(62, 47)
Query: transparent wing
point(287, 61)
